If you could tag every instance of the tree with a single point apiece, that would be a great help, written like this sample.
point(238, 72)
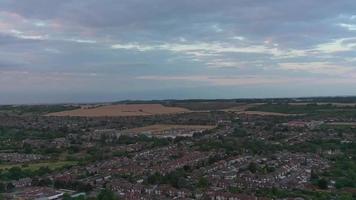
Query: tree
point(15, 173)
point(239, 132)
point(203, 182)
point(106, 195)
point(252, 167)
point(183, 183)
point(154, 178)
point(2, 187)
point(43, 170)
point(344, 182)
point(66, 196)
point(323, 184)
point(313, 175)
point(10, 187)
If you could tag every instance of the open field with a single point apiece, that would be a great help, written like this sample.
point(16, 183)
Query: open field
point(206, 105)
point(326, 103)
point(242, 107)
point(159, 128)
point(353, 124)
point(35, 166)
point(313, 109)
point(267, 113)
point(122, 110)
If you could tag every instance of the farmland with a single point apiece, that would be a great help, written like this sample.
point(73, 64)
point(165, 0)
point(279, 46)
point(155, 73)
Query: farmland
point(122, 110)
point(326, 103)
point(267, 113)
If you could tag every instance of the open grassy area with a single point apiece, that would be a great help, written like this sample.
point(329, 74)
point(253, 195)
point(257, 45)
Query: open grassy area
point(325, 110)
point(36, 166)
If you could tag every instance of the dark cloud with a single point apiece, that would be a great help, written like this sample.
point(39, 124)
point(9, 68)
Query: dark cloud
point(295, 23)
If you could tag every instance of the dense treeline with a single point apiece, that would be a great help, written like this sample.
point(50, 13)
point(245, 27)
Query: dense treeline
point(34, 109)
point(16, 173)
point(306, 194)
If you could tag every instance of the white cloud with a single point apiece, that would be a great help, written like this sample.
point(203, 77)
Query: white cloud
point(209, 48)
point(132, 46)
point(337, 45)
point(350, 27)
point(22, 35)
point(241, 38)
point(81, 41)
point(33, 37)
point(217, 28)
point(318, 67)
point(40, 24)
point(229, 63)
point(182, 39)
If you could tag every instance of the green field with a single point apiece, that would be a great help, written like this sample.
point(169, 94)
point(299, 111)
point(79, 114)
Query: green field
point(321, 110)
point(36, 166)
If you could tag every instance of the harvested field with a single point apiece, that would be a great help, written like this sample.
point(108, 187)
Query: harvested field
point(242, 107)
point(122, 110)
point(159, 128)
point(267, 113)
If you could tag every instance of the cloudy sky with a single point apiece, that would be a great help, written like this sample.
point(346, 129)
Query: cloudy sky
point(103, 50)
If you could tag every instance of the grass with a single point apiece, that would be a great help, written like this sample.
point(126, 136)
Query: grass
point(323, 110)
point(35, 166)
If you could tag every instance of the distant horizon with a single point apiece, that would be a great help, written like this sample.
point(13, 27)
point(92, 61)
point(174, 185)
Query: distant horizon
point(183, 99)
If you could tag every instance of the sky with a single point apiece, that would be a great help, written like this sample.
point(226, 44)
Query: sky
point(106, 50)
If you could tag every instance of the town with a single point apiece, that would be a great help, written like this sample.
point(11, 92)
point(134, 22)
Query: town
point(232, 149)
